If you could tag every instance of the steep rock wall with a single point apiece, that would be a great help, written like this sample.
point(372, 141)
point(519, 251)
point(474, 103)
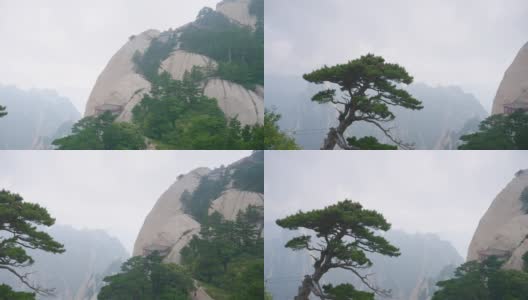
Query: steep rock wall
point(119, 83)
point(503, 229)
point(238, 11)
point(514, 85)
point(167, 226)
point(233, 201)
point(236, 101)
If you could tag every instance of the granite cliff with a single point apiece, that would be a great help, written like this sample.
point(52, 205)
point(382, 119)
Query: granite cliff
point(121, 85)
point(513, 89)
point(503, 230)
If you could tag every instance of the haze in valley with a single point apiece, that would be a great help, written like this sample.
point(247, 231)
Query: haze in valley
point(112, 191)
point(64, 45)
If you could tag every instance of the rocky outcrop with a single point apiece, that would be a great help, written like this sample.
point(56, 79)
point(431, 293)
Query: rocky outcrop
point(503, 230)
point(167, 228)
point(170, 226)
point(120, 87)
point(236, 101)
point(233, 201)
point(514, 85)
point(238, 11)
point(119, 84)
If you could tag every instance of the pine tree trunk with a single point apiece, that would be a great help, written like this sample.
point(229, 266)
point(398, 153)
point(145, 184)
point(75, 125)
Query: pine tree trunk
point(305, 289)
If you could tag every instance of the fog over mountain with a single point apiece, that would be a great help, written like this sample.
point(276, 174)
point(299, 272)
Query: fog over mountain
point(77, 273)
point(65, 45)
point(35, 118)
point(468, 44)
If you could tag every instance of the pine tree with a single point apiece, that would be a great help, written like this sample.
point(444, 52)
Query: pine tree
point(345, 233)
point(370, 86)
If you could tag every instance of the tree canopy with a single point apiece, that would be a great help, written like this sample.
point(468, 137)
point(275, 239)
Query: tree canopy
point(368, 87)
point(148, 278)
point(102, 133)
point(19, 232)
point(484, 281)
point(274, 138)
point(345, 232)
point(499, 132)
point(3, 111)
point(228, 255)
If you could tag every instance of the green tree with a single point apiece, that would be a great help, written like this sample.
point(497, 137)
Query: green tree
point(274, 139)
point(6, 293)
point(484, 281)
point(18, 232)
point(102, 133)
point(3, 111)
point(345, 233)
point(369, 143)
point(228, 255)
point(148, 278)
point(369, 86)
point(499, 132)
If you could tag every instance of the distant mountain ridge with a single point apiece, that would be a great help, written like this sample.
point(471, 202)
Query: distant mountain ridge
point(35, 118)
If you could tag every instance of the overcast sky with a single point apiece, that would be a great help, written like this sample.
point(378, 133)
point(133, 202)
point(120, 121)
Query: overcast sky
point(442, 192)
point(64, 45)
point(468, 43)
point(110, 190)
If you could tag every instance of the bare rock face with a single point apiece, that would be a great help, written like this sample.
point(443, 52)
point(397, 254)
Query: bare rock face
point(503, 230)
point(233, 201)
point(119, 84)
point(120, 88)
point(236, 101)
point(181, 61)
point(167, 227)
point(238, 11)
point(514, 85)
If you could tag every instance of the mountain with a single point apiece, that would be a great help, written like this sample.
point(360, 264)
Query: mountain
point(219, 42)
point(412, 276)
point(448, 113)
point(177, 215)
point(76, 274)
point(503, 230)
point(513, 89)
point(182, 210)
point(35, 118)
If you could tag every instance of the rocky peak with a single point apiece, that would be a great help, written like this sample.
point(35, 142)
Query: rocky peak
point(238, 11)
point(514, 85)
point(170, 225)
point(503, 230)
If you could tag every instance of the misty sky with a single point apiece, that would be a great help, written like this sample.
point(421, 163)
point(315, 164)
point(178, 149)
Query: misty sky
point(442, 192)
point(109, 190)
point(440, 42)
point(64, 45)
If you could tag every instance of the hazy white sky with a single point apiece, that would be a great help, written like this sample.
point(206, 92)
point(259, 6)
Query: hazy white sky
point(110, 190)
point(442, 192)
point(65, 45)
point(468, 43)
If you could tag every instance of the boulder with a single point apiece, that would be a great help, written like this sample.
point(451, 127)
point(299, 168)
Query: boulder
point(514, 85)
point(503, 230)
